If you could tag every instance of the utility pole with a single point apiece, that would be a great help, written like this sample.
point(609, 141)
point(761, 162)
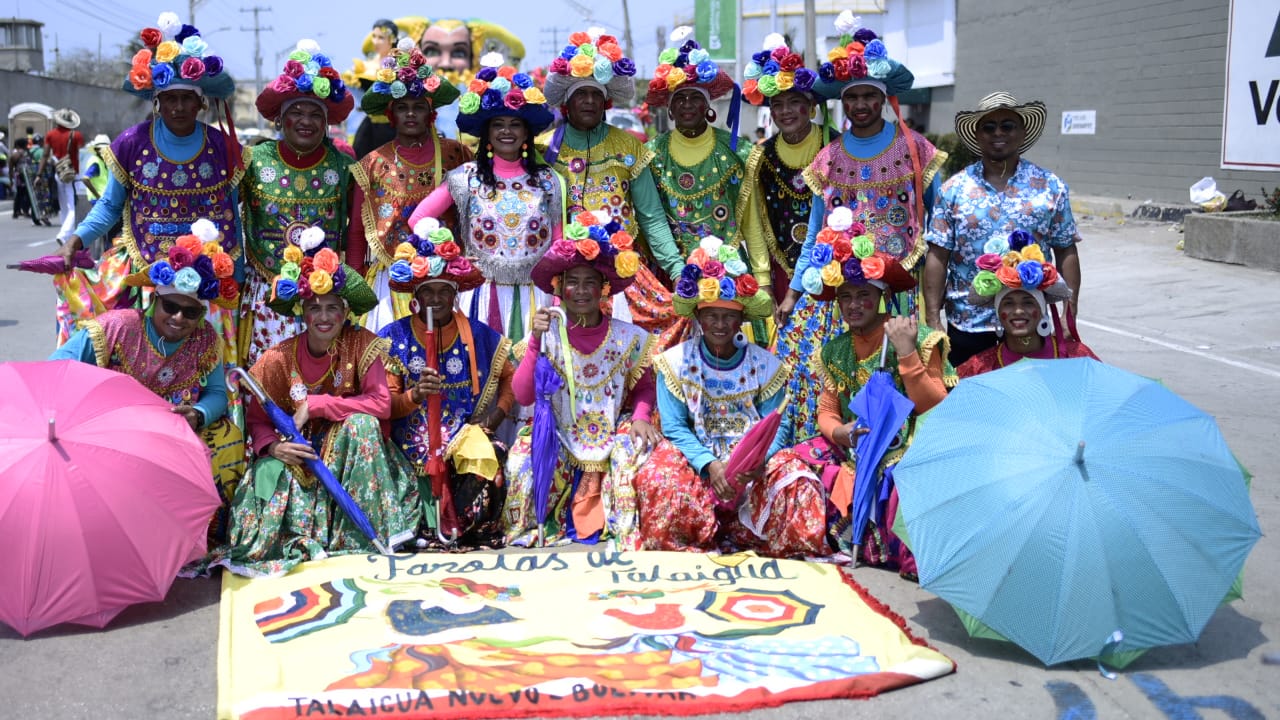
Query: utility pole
point(626, 31)
point(554, 39)
point(257, 49)
point(191, 11)
point(810, 34)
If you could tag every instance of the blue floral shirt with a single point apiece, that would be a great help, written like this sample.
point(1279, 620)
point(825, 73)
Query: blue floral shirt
point(969, 212)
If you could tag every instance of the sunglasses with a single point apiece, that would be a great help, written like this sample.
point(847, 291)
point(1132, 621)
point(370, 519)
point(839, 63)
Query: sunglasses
point(190, 312)
point(1005, 126)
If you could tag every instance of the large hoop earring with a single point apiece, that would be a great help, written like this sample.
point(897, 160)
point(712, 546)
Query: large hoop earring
point(711, 115)
point(740, 340)
point(155, 107)
point(414, 305)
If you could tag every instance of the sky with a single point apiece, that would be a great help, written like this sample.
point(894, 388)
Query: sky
point(72, 24)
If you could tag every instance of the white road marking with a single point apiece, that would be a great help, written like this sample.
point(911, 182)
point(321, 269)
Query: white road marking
point(1183, 349)
point(38, 243)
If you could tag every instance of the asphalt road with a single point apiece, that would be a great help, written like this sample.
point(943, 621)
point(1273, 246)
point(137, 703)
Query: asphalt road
point(1209, 331)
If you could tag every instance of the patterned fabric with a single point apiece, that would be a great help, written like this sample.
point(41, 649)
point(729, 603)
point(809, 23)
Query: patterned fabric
point(699, 200)
point(969, 212)
point(281, 516)
point(600, 177)
point(780, 516)
point(505, 230)
point(799, 340)
point(86, 293)
point(120, 343)
point(262, 328)
point(881, 191)
point(165, 197)
point(998, 357)
point(352, 353)
point(785, 199)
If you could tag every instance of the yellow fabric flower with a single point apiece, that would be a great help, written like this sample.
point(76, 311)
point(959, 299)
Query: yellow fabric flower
point(675, 78)
point(708, 289)
point(1011, 259)
point(582, 66)
point(534, 95)
point(211, 248)
point(627, 263)
point(832, 275)
point(785, 80)
point(385, 75)
point(837, 53)
point(293, 254)
point(321, 282)
point(1033, 252)
point(405, 251)
point(167, 51)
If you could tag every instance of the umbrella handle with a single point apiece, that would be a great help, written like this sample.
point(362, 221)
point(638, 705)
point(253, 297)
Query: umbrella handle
point(252, 385)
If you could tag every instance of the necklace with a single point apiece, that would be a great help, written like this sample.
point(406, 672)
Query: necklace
point(1000, 350)
point(312, 387)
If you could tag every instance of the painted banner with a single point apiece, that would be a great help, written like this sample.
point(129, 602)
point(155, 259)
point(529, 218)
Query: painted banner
point(715, 25)
point(1251, 112)
point(558, 633)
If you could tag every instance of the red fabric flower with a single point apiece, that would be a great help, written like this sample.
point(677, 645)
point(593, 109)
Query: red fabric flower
point(330, 73)
point(746, 285)
point(842, 249)
point(151, 37)
point(841, 68)
point(791, 63)
point(448, 250)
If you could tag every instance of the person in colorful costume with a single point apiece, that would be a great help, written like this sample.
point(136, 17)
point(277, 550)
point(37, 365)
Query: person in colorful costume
point(865, 281)
point(474, 380)
point(290, 185)
point(886, 173)
point(698, 172)
point(166, 172)
point(605, 365)
point(510, 205)
point(1023, 289)
point(775, 220)
point(333, 380)
point(374, 131)
point(173, 350)
point(711, 390)
point(605, 167)
point(392, 180)
point(991, 198)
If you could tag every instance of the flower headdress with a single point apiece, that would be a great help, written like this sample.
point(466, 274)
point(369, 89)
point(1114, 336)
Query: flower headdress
point(860, 57)
point(594, 240)
point(775, 70)
point(715, 274)
point(310, 269)
point(686, 65)
point(196, 266)
point(594, 59)
point(175, 57)
point(307, 75)
point(498, 90)
point(430, 254)
point(405, 73)
point(843, 253)
point(1016, 263)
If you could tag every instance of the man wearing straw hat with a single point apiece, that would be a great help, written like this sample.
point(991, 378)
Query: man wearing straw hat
point(985, 202)
point(64, 141)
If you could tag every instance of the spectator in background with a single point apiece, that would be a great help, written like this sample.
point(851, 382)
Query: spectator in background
point(64, 141)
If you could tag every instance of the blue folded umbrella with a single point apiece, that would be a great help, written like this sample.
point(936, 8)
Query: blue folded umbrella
point(879, 407)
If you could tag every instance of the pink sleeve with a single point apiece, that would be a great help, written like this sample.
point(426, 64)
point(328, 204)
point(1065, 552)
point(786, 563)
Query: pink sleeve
point(357, 244)
point(643, 395)
point(374, 399)
point(432, 206)
point(263, 432)
point(522, 383)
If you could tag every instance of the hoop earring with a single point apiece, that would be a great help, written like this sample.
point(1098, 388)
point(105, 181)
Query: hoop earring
point(414, 305)
point(999, 331)
point(711, 115)
point(1044, 327)
point(740, 340)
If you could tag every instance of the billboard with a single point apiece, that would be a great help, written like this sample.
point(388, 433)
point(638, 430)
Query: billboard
point(1251, 112)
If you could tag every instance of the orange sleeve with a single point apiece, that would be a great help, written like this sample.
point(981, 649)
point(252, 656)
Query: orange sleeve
point(828, 414)
point(401, 399)
point(506, 396)
point(924, 385)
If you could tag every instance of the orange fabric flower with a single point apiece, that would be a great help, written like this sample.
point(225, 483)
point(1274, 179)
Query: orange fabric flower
point(327, 260)
point(1008, 276)
point(698, 257)
point(622, 240)
point(506, 71)
point(420, 266)
point(586, 219)
point(579, 38)
point(873, 267)
point(828, 236)
point(223, 266)
point(611, 51)
point(477, 86)
point(589, 248)
point(191, 243)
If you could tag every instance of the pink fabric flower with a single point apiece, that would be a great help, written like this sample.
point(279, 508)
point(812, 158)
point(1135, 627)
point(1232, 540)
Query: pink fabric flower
point(192, 68)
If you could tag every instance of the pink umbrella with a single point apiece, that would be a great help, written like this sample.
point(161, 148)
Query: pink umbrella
point(749, 453)
point(54, 264)
point(104, 494)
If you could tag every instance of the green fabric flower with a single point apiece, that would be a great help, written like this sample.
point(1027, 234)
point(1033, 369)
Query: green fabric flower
point(402, 60)
point(575, 232)
point(301, 56)
point(469, 103)
point(440, 236)
point(726, 253)
point(986, 284)
point(291, 271)
point(424, 72)
point(668, 56)
point(863, 247)
point(398, 90)
point(320, 86)
point(767, 85)
point(587, 49)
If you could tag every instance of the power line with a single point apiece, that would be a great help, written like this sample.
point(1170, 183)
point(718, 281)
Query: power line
point(257, 48)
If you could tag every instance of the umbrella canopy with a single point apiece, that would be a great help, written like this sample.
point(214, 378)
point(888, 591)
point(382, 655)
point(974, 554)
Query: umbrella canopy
point(104, 495)
point(545, 443)
point(1058, 501)
point(749, 454)
point(54, 264)
point(882, 410)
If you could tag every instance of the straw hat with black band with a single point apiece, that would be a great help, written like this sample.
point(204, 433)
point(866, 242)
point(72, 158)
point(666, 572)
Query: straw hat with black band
point(66, 118)
point(1032, 114)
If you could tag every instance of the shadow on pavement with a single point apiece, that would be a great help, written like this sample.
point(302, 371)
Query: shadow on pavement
point(184, 597)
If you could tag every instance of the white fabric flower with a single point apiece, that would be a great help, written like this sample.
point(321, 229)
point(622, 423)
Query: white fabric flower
point(595, 31)
point(602, 216)
point(711, 245)
point(406, 44)
point(169, 24)
point(773, 41)
point(679, 34)
point(491, 60)
point(205, 230)
point(309, 46)
point(425, 226)
point(847, 22)
point(311, 238)
point(841, 219)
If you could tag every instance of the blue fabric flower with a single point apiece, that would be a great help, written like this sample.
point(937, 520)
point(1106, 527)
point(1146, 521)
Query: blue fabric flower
point(186, 32)
point(804, 79)
point(194, 46)
point(381, 88)
point(491, 99)
point(322, 60)
point(1031, 272)
point(852, 271)
point(598, 233)
point(707, 71)
point(612, 227)
point(624, 67)
point(689, 46)
point(522, 80)
point(691, 272)
point(875, 50)
point(827, 72)
point(687, 288)
point(415, 89)
point(187, 280)
point(865, 35)
point(681, 60)
point(212, 65)
point(728, 290)
point(303, 82)
point(204, 265)
point(286, 289)
point(161, 75)
point(752, 72)
point(487, 74)
point(435, 266)
point(426, 248)
point(208, 288)
point(161, 273)
point(811, 281)
point(340, 277)
point(398, 90)
point(1019, 239)
point(762, 57)
point(771, 68)
point(569, 51)
point(820, 255)
point(400, 271)
point(996, 245)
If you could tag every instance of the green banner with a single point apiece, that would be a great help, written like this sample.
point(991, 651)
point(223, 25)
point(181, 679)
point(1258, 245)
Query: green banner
point(716, 28)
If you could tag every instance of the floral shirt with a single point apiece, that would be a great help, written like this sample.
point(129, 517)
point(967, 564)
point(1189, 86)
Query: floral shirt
point(969, 212)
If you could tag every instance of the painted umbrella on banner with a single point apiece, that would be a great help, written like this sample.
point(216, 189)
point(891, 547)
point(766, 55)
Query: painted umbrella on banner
point(289, 431)
point(545, 441)
point(1076, 509)
point(105, 493)
point(882, 410)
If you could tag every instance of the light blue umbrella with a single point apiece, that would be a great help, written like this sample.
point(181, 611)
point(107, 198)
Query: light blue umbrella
point(1060, 501)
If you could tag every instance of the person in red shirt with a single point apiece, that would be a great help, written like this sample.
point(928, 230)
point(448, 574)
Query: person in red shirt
point(64, 141)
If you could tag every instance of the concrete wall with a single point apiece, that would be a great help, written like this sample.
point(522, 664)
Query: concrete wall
point(1152, 69)
point(102, 110)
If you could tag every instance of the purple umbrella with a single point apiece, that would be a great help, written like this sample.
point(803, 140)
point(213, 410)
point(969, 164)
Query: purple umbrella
point(53, 264)
point(546, 446)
